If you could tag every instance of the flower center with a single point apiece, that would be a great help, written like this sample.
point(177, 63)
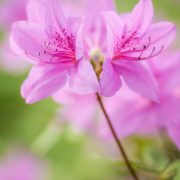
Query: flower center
point(97, 59)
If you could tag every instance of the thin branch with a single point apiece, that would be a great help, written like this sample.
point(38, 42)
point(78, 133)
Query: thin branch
point(121, 149)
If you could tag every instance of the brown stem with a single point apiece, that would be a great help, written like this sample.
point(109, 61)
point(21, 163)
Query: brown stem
point(121, 149)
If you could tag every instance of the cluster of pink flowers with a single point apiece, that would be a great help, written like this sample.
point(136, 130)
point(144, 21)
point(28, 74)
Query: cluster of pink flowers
point(78, 50)
point(91, 53)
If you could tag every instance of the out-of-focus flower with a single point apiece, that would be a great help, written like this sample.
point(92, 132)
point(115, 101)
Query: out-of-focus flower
point(82, 7)
point(9, 61)
point(11, 11)
point(83, 113)
point(20, 165)
point(79, 111)
point(90, 52)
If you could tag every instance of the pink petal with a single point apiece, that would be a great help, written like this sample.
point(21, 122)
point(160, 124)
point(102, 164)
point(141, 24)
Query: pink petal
point(101, 5)
point(173, 124)
point(94, 30)
point(79, 50)
point(166, 60)
point(27, 40)
point(74, 8)
point(139, 79)
point(10, 61)
point(166, 67)
point(11, 11)
point(135, 115)
point(158, 38)
point(173, 130)
point(20, 165)
point(43, 81)
point(46, 12)
point(161, 36)
point(55, 21)
point(109, 81)
point(52, 18)
point(141, 17)
point(35, 11)
point(127, 116)
point(81, 7)
point(114, 25)
point(76, 111)
point(83, 78)
point(173, 78)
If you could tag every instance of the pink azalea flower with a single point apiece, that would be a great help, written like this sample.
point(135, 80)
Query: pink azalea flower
point(88, 53)
point(21, 166)
point(11, 11)
point(53, 42)
point(131, 39)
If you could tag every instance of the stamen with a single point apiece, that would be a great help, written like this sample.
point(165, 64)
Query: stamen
point(144, 47)
point(154, 48)
point(120, 54)
point(140, 57)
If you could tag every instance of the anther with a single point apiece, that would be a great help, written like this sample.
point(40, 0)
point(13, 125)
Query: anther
point(153, 50)
point(139, 58)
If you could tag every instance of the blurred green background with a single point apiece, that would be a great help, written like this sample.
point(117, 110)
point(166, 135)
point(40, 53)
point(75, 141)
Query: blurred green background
point(72, 156)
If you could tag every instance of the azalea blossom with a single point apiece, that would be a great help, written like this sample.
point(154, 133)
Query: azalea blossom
point(90, 53)
point(132, 38)
point(20, 165)
point(53, 42)
point(75, 112)
point(9, 61)
point(11, 11)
